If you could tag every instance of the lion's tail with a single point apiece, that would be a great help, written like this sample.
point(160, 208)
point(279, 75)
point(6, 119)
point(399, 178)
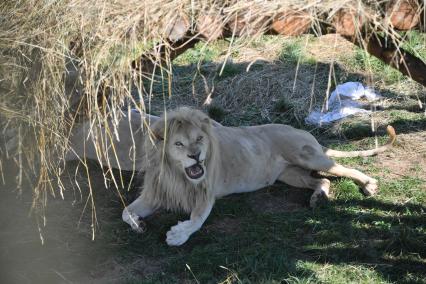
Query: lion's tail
point(365, 153)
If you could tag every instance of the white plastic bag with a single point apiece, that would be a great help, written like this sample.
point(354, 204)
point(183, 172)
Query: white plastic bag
point(342, 103)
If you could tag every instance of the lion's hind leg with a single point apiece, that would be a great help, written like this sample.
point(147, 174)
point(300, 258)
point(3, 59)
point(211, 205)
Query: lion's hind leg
point(320, 162)
point(299, 177)
point(368, 184)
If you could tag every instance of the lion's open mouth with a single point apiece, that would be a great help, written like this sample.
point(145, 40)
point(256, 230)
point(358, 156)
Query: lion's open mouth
point(195, 171)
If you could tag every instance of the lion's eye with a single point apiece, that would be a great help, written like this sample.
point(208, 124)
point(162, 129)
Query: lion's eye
point(179, 144)
point(199, 138)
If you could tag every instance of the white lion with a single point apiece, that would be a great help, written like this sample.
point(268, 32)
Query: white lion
point(112, 144)
point(189, 164)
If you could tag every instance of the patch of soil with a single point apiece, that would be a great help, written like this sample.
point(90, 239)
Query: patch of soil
point(113, 271)
point(224, 225)
point(278, 200)
point(68, 253)
point(407, 158)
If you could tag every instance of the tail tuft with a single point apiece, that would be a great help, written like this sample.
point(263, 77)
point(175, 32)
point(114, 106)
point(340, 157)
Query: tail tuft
point(392, 134)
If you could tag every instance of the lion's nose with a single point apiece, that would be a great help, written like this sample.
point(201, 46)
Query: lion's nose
point(195, 156)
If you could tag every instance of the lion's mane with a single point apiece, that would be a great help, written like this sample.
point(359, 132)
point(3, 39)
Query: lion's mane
point(164, 184)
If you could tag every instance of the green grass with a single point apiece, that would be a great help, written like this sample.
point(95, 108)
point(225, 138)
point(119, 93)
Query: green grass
point(366, 62)
point(294, 51)
point(216, 112)
point(201, 52)
point(249, 116)
point(407, 120)
point(281, 112)
point(230, 70)
point(415, 43)
point(283, 105)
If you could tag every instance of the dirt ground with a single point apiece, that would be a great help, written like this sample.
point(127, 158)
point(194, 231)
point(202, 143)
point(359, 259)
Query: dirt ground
point(409, 156)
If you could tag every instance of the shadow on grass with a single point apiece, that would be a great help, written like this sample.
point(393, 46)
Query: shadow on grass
point(260, 84)
point(257, 237)
point(357, 129)
point(276, 92)
point(274, 246)
point(413, 107)
point(385, 237)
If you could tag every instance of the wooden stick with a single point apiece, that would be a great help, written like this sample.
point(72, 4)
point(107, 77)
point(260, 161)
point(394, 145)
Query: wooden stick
point(396, 57)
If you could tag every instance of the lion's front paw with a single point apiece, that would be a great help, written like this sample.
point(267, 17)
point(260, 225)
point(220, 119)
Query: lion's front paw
point(370, 188)
point(138, 225)
point(136, 222)
point(179, 233)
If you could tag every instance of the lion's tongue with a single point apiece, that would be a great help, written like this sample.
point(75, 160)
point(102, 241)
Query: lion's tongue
point(194, 171)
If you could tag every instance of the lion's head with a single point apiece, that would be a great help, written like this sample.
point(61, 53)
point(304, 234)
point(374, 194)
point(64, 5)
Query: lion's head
point(180, 160)
point(185, 135)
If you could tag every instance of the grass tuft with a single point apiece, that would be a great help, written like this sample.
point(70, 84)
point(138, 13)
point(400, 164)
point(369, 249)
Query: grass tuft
point(216, 112)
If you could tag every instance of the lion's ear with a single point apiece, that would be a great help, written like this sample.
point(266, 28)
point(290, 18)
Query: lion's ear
point(158, 136)
point(206, 123)
point(157, 130)
point(207, 120)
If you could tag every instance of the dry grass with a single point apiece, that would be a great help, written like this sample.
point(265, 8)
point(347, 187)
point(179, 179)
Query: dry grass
point(57, 57)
